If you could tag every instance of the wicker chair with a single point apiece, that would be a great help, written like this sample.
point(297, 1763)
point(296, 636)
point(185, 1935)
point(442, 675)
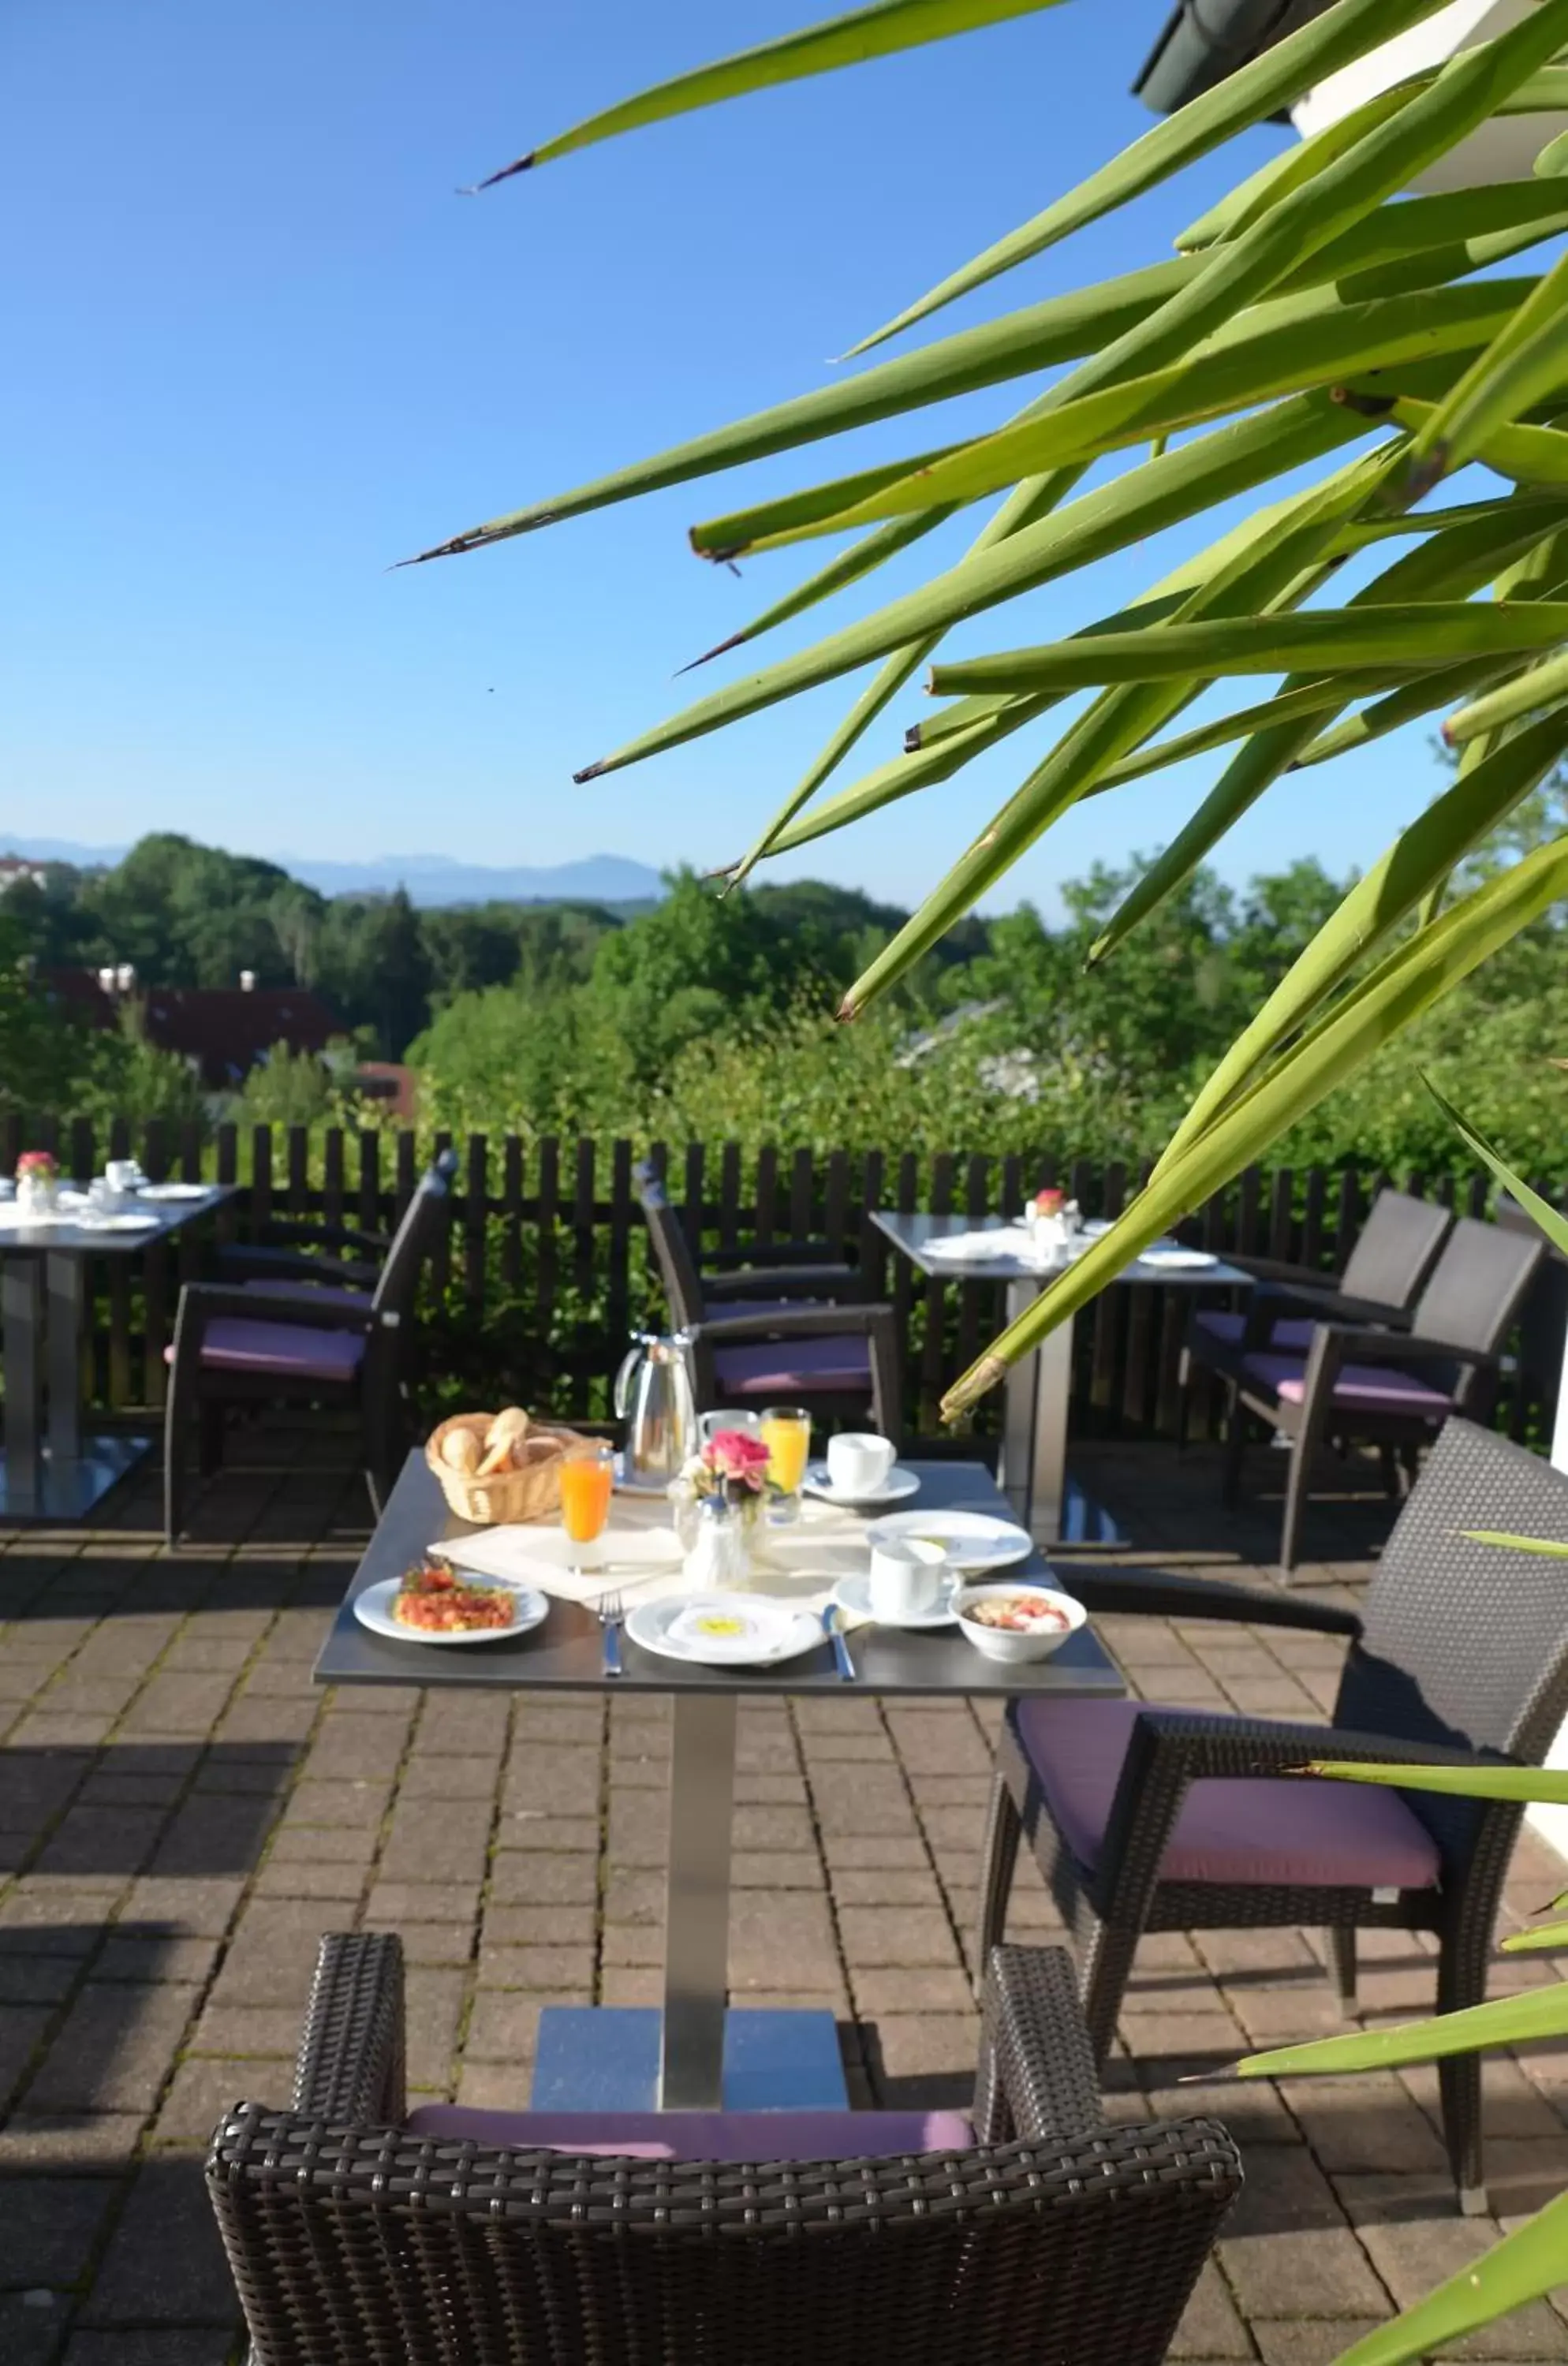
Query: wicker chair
point(1391, 1259)
point(1040, 2238)
point(301, 1329)
point(1390, 1383)
point(1463, 1652)
point(754, 1342)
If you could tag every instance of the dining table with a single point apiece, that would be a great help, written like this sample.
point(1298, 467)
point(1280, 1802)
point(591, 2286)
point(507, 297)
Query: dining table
point(1037, 1393)
point(52, 1468)
point(693, 2051)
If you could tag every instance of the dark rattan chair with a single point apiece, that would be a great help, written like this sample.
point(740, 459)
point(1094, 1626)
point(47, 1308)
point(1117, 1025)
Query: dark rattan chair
point(1041, 2238)
point(1375, 1383)
point(1463, 1650)
point(799, 1331)
point(328, 1331)
point(1392, 1258)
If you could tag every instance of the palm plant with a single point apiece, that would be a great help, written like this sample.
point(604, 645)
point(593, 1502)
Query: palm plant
point(1319, 314)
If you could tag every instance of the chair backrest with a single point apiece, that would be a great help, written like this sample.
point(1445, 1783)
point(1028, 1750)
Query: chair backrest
point(411, 1244)
point(352, 2245)
point(1394, 1253)
point(1477, 1285)
point(677, 1266)
point(1466, 1644)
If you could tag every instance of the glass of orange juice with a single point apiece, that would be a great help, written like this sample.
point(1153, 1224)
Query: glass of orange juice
point(587, 1481)
point(785, 1431)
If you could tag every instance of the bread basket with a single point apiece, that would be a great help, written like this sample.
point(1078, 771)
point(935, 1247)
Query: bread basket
point(530, 1492)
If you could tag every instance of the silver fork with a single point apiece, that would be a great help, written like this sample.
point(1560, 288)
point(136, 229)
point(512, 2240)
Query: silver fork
point(610, 1610)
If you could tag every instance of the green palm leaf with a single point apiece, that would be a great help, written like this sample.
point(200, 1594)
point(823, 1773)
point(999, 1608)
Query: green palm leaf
point(1519, 2267)
point(878, 31)
point(1551, 1220)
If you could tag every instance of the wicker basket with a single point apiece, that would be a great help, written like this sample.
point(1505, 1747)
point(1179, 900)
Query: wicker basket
point(530, 1492)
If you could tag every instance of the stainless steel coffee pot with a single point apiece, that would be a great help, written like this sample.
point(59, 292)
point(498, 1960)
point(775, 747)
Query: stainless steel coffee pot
point(653, 1397)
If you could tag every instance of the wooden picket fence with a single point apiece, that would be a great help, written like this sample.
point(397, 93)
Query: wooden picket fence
point(542, 1271)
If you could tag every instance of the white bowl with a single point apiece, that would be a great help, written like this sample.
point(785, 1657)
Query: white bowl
point(1005, 1643)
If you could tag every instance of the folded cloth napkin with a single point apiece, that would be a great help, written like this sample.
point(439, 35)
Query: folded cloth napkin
point(1177, 1260)
point(999, 1240)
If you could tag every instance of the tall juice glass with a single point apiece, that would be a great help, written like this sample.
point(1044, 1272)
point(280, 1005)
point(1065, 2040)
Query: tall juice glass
point(785, 1431)
point(587, 1483)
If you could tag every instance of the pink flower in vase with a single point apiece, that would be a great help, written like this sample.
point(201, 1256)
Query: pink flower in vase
point(41, 1163)
point(736, 1454)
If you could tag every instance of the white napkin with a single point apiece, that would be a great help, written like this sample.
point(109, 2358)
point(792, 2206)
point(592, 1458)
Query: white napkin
point(1004, 1241)
point(1177, 1259)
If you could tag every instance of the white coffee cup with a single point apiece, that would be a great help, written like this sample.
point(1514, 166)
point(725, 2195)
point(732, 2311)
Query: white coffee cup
point(710, 1424)
point(122, 1174)
point(859, 1462)
point(907, 1575)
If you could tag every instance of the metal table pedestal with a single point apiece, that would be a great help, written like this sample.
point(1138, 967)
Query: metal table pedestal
point(694, 2056)
point(50, 1471)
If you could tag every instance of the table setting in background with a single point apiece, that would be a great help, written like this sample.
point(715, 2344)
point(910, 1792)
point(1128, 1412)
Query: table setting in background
point(51, 1470)
point(710, 1559)
point(1026, 1253)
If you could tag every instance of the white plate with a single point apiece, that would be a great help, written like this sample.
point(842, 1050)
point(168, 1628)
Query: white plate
point(172, 1190)
point(373, 1608)
point(972, 1540)
point(1177, 1260)
point(895, 1489)
point(775, 1631)
point(854, 1596)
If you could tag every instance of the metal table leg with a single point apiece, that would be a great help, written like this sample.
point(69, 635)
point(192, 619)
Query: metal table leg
point(1035, 1474)
point(696, 1942)
point(694, 2056)
point(63, 1286)
point(21, 1309)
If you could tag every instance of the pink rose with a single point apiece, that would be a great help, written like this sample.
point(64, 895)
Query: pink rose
point(38, 1162)
point(737, 1453)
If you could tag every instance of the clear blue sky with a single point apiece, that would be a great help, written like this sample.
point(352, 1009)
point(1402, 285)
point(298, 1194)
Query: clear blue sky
point(258, 348)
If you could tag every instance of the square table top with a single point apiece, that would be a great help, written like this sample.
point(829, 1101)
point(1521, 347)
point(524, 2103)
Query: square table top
point(566, 1653)
point(59, 1237)
point(912, 1231)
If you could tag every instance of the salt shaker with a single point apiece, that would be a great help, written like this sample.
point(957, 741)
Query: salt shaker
point(716, 1561)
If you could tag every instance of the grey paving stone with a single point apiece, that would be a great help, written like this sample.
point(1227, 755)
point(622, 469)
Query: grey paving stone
point(114, 2050)
point(30, 2325)
point(48, 2227)
point(172, 2346)
point(164, 2263)
point(80, 2143)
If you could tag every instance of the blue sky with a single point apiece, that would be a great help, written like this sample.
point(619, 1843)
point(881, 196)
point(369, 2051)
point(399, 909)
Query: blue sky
point(258, 348)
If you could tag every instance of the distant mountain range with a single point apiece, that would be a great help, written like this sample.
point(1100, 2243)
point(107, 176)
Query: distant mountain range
point(430, 879)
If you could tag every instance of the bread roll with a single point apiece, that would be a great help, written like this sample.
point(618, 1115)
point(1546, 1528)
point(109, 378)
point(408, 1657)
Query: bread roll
point(460, 1450)
point(506, 1433)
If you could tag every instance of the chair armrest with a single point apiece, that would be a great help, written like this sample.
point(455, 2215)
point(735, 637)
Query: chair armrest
point(1036, 2080)
point(814, 1321)
point(203, 1300)
point(286, 1229)
point(771, 1253)
point(1271, 1300)
point(786, 1281)
point(1169, 1749)
point(1403, 1347)
point(351, 2061)
point(1281, 1270)
point(1167, 1593)
point(241, 1263)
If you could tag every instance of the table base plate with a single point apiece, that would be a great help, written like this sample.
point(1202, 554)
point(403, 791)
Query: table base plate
point(605, 2058)
point(62, 1493)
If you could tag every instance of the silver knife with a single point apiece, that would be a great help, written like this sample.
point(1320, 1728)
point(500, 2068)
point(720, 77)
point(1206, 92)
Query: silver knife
point(842, 1659)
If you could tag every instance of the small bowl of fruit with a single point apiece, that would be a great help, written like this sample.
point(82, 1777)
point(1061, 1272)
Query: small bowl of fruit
point(1016, 1621)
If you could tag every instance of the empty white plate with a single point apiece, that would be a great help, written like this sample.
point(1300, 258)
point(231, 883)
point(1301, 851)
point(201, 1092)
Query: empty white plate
point(373, 1608)
point(172, 1190)
point(896, 1488)
point(970, 1539)
point(854, 1595)
point(724, 1630)
point(1177, 1260)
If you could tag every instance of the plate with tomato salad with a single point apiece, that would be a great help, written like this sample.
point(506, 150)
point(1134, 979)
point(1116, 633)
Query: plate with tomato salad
point(433, 1604)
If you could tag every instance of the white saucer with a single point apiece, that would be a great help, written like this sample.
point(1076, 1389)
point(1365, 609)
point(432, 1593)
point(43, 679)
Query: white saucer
point(854, 1595)
point(898, 1485)
point(972, 1540)
point(172, 1190)
point(373, 1608)
point(776, 1631)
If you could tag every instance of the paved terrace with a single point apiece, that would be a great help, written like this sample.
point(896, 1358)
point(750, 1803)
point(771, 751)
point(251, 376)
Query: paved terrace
point(182, 1815)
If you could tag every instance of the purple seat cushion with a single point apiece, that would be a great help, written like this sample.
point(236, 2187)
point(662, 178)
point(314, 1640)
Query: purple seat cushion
point(702, 2135)
point(1255, 1827)
point(294, 1351)
point(1288, 1336)
point(1360, 1388)
point(771, 1368)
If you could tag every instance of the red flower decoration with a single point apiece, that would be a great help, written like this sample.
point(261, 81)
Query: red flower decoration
point(38, 1162)
point(737, 1454)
